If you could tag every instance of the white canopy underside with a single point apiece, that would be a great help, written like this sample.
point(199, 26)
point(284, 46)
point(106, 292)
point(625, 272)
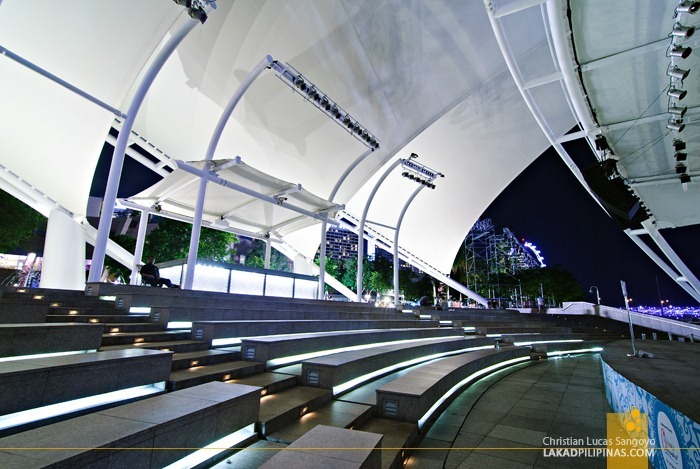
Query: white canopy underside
point(226, 207)
point(424, 77)
point(623, 49)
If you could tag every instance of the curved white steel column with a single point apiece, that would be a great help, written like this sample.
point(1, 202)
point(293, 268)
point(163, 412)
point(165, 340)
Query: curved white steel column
point(397, 304)
point(115, 169)
point(138, 249)
point(213, 143)
point(361, 231)
point(324, 225)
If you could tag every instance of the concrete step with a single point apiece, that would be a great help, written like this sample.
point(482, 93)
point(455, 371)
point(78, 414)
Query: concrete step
point(83, 310)
point(142, 327)
point(253, 457)
point(271, 383)
point(185, 360)
point(281, 409)
point(181, 422)
point(122, 338)
point(101, 319)
point(396, 435)
point(197, 375)
point(177, 346)
point(335, 413)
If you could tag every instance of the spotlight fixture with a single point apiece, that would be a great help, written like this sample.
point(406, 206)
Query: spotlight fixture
point(299, 83)
point(195, 8)
point(680, 51)
point(688, 7)
point(681, 168)
point(683, 31)
point(678, 111)
point(601, 144)
point(680, 156)
point(418, 172)
point(678, 145)
point(675, 125)
point(678, 73)
point(685, 179)
point(676, 93)
point(302, 85)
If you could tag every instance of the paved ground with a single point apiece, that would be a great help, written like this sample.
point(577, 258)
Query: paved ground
point(501, 421)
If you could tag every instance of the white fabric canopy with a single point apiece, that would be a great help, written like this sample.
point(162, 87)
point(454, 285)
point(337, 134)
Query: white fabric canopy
point(424, 77)
point(226, 207)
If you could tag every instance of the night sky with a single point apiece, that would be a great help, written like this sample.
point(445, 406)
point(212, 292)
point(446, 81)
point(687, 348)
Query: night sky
point(548, 207)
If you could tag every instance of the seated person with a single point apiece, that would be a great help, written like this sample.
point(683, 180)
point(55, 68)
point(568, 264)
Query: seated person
point(151, 275)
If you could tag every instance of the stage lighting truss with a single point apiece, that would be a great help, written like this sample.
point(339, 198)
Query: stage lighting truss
point(678, 52)
point(310, 92)
point(195, 8)
point(418, 172)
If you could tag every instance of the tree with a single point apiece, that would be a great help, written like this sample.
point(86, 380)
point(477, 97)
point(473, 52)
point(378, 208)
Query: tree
point(116, 268)
point(256, 258)
point(171, 240)
point(334, 267)
point(18, 222)
point(555, 282)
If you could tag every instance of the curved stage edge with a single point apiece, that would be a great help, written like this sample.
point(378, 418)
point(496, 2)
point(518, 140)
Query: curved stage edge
point(665, 388)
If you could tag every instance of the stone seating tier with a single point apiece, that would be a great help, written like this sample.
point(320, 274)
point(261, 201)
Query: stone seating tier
point(345, 449)
point(210, 330)
point(409, 397)
point(131, 295)
point(31, 383)
point(37, 338)
point(135, 432)
point(23, 311)
point(270, 347)
point(333, 370)
point(522, 329)
point(167, 314)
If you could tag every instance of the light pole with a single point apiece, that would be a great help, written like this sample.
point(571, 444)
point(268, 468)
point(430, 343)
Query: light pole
point(597, 293)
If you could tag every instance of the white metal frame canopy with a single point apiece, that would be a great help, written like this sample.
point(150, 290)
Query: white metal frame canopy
point(425, 77)
point(618, 65)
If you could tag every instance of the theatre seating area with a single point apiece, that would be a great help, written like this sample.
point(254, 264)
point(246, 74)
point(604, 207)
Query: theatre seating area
point(215, 364)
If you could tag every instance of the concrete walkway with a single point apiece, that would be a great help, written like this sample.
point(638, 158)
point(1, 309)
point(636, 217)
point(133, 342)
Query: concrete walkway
point(501, 421)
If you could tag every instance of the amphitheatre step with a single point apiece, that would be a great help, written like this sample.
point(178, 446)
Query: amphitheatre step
point(181, 421)
point(270, 382)
point(340, 371)
point(281, 409)
point(74, 310)
point(177, 346)
point(397, 435)
point(23, 311)
point(197, 375)
point(348, 449)
point(122, 338)
point(251, 457)
point(128, 327)
point(524, 329)
point(132, 295)
point(185, 360)
point(235, 330)
point(100, 319)
point(335, 414)
point(40, 338)
point(409, 397)
point(229, 312)
point(280, 349)
point(32, 383)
